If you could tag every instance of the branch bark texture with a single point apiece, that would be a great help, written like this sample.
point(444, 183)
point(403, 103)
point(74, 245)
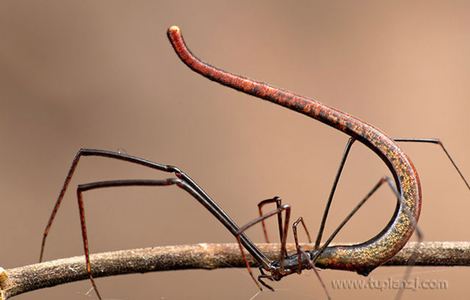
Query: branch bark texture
point(20, 280)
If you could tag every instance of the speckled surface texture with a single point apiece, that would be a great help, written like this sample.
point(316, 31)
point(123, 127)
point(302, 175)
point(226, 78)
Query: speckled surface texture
point(363, 257)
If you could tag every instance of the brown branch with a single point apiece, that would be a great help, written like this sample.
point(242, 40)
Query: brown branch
point(201, 256)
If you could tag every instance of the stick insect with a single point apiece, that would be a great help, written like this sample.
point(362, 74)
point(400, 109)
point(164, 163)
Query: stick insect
point(361, 258)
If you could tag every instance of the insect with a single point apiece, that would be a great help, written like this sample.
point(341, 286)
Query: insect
point(362, 258)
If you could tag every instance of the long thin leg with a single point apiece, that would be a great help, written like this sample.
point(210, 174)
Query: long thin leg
point(278, 202)
point(411, 260)
point(301, 252)
point(333, 189)
point(332, 236)
point(68, 178)
point(81, 209)
point(260, 280)
point(332, 192)
point(438, 142)
point(390, 183)
point(342, 224)
point(419, 237)
point(283, 252)
point(419, 234)
point(296, 240)
point(117, 183)
point(312, 266)
point(343, 161)
point(204, 197)
point(262, 276)
point(351, 214)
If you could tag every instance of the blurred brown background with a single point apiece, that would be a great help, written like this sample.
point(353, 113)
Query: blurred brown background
point(102, 74)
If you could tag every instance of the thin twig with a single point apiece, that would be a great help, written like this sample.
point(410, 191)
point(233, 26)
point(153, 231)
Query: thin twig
point(200, 256)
